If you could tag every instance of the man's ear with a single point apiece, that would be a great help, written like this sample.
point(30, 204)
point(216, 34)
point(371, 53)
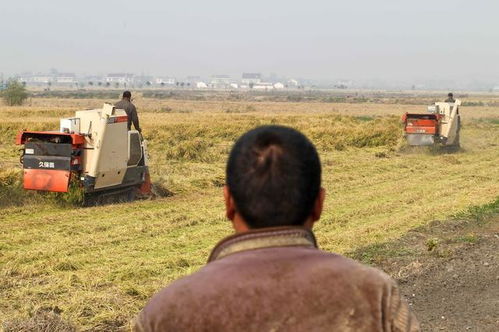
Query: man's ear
point(230, 207)
point(319, 205)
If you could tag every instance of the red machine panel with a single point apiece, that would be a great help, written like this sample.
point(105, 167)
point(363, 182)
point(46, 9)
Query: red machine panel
point(420, 123)
point(47, 180)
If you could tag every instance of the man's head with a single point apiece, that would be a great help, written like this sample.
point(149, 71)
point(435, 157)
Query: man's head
point(127, 95)
point(450, 95)
point(273, 179)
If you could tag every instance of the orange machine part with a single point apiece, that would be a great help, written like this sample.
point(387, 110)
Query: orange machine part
point(46, 180)
point(146, 187)
point(123, 118)
point(76, 139)
point(420, 126)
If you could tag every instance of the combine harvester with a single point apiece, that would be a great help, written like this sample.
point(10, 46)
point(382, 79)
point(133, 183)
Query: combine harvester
point(93, 151)
point(440, 126)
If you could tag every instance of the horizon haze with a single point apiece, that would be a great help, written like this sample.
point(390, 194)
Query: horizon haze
point(386, 40)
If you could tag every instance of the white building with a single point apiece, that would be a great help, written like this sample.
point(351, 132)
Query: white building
point(201, 85)
point(65, 78)
point(36, 79)
point(278, 85)
point(42, 79)
point(220, 81)
point(164, 80)
point(263, 86)
point(251, 78)
point(119, 78)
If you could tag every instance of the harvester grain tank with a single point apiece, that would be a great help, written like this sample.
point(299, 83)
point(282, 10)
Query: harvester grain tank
point(441, 125)
point(93, 151)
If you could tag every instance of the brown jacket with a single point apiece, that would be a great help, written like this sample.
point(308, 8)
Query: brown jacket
point(277, 280)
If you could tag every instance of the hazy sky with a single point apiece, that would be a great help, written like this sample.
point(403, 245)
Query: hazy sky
point(385, 39)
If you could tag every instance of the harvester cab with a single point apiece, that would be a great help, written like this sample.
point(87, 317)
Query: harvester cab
point(439, 126)
point(94, 151)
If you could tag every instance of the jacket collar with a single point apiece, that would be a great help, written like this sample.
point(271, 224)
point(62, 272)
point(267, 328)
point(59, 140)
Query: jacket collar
point(264, 238)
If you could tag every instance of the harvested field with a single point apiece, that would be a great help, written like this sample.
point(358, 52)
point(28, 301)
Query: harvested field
point(94, 268)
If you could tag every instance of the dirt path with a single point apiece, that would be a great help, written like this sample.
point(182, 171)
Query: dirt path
point(449, 273)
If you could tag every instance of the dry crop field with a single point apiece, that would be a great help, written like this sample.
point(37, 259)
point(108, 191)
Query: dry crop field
point(94, 268)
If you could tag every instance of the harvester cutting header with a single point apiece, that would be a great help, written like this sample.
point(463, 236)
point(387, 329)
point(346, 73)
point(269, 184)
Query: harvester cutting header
point(93, 150)
point(441, 125)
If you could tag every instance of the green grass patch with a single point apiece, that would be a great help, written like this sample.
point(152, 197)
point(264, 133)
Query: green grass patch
point(468, 238)
point(479, 213)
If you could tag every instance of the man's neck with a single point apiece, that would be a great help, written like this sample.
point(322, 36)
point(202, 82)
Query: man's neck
point(240, 226)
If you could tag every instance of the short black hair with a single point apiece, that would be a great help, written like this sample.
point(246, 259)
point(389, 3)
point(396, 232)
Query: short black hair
point(127, 94)
point(274, 176)
point(450, 94)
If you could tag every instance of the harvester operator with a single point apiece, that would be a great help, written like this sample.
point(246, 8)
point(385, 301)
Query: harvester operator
point(126, 104)
point(270, 275)
point(450, 98)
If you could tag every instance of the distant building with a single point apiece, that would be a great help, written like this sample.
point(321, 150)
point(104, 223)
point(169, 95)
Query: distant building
point(342, 84)
point(119, 78)
point(35, 79)
point(41, 79)
point(201, 85)
point(293, 83)
point(263, 86)
point(65, 78)
point(224, 79)
point(251, 78)
point(220, 81)
point(164, 80)
point(278, 85)
point(193, 80)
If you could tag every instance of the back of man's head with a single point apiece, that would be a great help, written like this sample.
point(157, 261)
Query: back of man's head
point(450, 94)
point(274, 176)
point(127, 94)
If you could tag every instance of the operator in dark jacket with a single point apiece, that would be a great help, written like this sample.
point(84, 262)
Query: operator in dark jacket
point(270, 275)
point(450, 98)
point(126, 104)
